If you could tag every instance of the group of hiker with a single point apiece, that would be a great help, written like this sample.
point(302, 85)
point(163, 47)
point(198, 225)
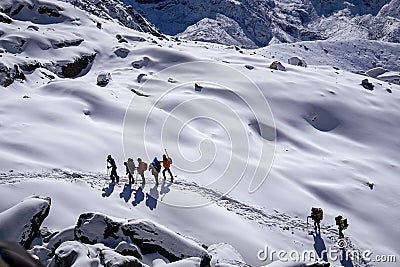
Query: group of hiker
point(317, 214)
point(130, 168)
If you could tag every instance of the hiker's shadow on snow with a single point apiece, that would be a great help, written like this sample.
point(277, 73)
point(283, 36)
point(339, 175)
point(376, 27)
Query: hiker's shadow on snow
point(345, 259)
point(165, 188)
point(127, 192)
point(152, 197)
point(319, 246)
point(107, 191)
point(139, 196)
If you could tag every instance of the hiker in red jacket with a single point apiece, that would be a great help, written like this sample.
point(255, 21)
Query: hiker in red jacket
point(167, 165)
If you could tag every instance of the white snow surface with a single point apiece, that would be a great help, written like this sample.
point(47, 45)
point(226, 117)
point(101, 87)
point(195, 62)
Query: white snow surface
point(332, 136)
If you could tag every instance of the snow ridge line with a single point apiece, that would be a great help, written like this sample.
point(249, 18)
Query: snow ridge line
point(278, 220)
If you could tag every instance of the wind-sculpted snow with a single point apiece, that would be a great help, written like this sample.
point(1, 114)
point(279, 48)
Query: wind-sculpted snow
point(222, 111)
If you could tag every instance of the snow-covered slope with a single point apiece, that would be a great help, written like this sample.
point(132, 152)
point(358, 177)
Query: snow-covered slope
point(333, 137)
point(354, 55)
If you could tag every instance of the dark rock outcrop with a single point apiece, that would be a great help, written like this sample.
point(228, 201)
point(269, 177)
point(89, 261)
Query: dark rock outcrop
point(9, 75)
point(150, 237)
point(74, 68)
point(21, 222)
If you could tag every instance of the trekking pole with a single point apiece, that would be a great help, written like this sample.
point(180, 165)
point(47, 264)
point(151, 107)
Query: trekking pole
point(166, 153)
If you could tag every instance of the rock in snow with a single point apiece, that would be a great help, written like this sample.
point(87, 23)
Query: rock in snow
point(276, 65)
point(148, 236)
point(21, 223)
point(297, 61)
point(98, 240)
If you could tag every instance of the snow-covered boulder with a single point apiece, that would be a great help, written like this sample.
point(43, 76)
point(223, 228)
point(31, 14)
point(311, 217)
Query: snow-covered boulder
point(93, 228)
point(78, 66)
point(367, 85)
point(122, 52)
point(76, 254)
point(42, 254)
point(9, 75)
point(276, 65)
point(297, 61)
point(189, 262)
point(103, 78)
point(149, 236)
point(390, 77)
point(225, 255)
point(375, 72)
point(114, 259)
point(152, 237)
point(21, 222)
point(59, 238)
point(127, 249)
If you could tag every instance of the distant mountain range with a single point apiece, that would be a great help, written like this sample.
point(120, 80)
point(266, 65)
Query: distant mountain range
point(256, 23)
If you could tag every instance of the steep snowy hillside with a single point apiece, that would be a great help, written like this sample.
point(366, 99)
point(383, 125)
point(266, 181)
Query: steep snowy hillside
point(273, 142)
point(118, 11)
point(252, 22)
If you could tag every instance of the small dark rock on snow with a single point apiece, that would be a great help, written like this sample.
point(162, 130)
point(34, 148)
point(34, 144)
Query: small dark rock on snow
point(367, 85)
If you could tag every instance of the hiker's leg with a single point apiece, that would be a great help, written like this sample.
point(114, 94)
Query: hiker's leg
point(170, 173)
point(163, 173)
point(116, 175)
point(341, 233)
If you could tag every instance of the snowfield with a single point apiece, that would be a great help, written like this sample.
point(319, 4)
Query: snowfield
point(75, 88)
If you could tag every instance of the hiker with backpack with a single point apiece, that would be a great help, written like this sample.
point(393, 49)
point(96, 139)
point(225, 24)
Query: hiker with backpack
point(167, 165)
point(111, 164)
point(317, 214)
point(157, 165)
point(130, 169)
point(342, 224)
point(142, 168)
point(154, 172)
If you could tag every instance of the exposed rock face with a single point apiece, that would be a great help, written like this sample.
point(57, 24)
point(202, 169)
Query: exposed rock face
point(9, 75)
point(148, 236)
point(276, 65)
point(72, 69)
point(297, 61)
point(103, 78)
point(113, 9)
point(5, 19)
point(98, 240)
point(252, 22)
point(21, 222)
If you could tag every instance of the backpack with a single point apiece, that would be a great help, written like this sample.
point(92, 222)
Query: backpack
point(170, 160)
point(344, 224)
point(143, 166)
point(317, 214)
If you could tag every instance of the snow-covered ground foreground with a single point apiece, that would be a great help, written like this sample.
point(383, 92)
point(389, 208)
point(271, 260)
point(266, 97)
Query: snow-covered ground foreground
point(334, 137)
